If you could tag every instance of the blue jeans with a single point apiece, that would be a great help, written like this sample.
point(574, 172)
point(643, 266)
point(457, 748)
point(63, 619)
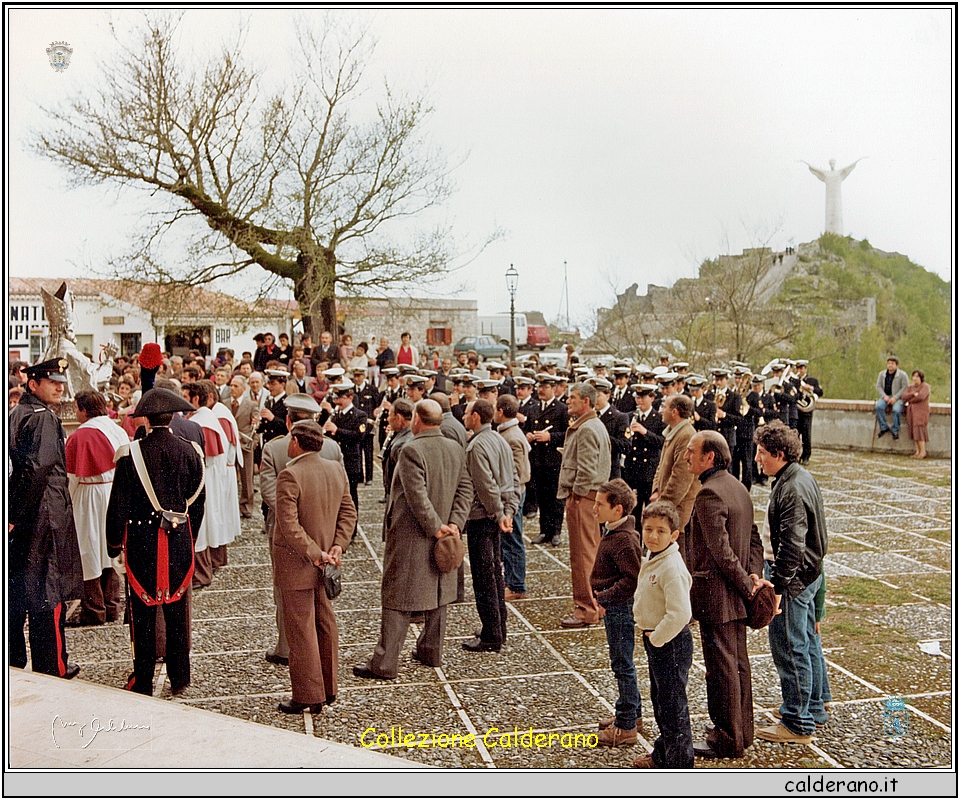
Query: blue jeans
point(798, 657)
point(618, 623)
point(881, 408)
point(669, 668)
point(514, 554)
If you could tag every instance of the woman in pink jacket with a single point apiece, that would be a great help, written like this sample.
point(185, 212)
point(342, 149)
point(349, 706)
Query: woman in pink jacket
point(917, 398)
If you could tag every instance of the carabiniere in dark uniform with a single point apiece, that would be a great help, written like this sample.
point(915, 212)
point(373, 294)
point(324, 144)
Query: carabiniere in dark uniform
point(158, 546)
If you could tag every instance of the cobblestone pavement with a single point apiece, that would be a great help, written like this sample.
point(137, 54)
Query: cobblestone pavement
point(888, 633)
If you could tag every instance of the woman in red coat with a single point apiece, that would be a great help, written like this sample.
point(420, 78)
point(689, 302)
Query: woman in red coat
point(917, 399)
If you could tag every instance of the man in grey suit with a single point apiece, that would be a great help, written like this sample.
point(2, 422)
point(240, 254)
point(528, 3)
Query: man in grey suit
point(725, 561)
point(300, 408)
point(247, 414)
point(432, 500)
point(449, 425)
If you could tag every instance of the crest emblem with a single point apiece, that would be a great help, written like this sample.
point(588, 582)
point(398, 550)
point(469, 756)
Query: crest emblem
point(59, 54)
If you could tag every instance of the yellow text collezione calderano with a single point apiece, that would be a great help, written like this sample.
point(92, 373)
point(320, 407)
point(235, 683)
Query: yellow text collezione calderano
point(493, 737)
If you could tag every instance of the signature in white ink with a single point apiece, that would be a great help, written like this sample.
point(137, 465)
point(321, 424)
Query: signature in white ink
point(89, 731)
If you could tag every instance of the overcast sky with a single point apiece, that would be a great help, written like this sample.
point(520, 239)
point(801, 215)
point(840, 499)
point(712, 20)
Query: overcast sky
point(629, 143)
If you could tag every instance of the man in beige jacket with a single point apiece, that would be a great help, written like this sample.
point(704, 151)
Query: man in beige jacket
point(315, 518)
point(673, 481)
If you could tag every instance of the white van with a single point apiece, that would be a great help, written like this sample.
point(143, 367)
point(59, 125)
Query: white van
point(498, 326)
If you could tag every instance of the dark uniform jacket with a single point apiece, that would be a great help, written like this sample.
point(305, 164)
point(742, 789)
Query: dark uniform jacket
point(644, 455)
point(749, 421)
point(367, 398)
point(44, 565)
point(557, 418)
point(626, 404)
point(383, 426)
point(786, 402)
point(160, 563)
point(391, 452)
point(707, 412)
point(616, 424)
point(351, 428)
point(728, 425)
point(271, 429)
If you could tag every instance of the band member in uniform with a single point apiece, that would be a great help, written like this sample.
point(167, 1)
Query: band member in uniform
point(545, 430)
point(367, 399)
point(784, 394)
point(768, 412)
point(44, 570)
point(646, 442)
point(743, 464)
point(622, 397)
point(390, 393)
point(807, 385)
point(704, 410)
point(529, 406)
point(468, 383)
point(728, 412)
point(348, 426)
point(155, 511)
point(616, 424)
point(414, 387)
point(273, 415)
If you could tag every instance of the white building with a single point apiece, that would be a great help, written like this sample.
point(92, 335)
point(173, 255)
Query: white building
point(130, 316)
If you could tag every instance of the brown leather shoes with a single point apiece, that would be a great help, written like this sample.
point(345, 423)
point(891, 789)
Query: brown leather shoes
point(615, 737)
point(609, 721)
point(573, 622)
point(644, 762)
point(509, 594)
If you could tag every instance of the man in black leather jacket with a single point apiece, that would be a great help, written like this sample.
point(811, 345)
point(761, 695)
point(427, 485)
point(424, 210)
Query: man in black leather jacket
point(798, 541)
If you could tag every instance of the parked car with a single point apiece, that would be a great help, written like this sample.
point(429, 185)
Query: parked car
point(538, 337)
point(485, 346)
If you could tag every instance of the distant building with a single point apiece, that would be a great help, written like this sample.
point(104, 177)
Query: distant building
point(433, 323)
point(131, 315)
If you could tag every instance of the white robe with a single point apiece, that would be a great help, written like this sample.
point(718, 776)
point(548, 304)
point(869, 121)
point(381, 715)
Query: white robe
point(90, 493)
point(221, 516)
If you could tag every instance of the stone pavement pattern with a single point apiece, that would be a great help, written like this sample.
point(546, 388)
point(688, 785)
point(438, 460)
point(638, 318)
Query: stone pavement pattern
point(889, 590)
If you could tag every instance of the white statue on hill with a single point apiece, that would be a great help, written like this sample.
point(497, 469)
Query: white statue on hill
point(833, 218)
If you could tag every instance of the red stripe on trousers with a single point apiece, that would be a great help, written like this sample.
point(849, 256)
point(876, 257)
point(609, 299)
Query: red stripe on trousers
point(57, 611)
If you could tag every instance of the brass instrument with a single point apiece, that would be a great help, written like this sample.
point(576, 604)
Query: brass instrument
point(743, 389)
point(807, 400)
point(719, 398)
point(777, 388)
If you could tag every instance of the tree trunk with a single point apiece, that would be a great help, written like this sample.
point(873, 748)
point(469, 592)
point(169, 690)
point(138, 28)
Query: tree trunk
point(315, 293)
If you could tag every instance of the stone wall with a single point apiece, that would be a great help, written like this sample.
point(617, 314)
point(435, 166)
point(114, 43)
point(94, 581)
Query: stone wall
point(852, 425)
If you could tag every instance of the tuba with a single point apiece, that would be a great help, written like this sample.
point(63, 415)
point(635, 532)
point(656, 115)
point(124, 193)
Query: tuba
point(807, 400)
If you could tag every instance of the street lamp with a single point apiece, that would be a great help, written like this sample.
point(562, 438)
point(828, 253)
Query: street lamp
point(513, 277)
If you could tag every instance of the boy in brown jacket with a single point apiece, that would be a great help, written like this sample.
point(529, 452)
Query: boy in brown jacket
point(614, 581)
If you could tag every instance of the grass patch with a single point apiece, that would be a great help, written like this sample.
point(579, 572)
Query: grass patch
point(854, 590)
point(940, 536)
point(944, 481)
point(898, 472)
point(841, 544)
point(846, 628)
point(937, 586)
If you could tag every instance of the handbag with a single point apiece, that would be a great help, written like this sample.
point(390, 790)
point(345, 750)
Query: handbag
point(332, 583)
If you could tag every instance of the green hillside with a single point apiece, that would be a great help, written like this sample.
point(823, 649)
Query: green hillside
point(912, 317)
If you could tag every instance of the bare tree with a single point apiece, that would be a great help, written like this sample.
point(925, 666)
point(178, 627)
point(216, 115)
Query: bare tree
point(295, 181)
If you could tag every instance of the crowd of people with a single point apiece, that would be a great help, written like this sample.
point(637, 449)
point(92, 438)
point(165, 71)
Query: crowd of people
point(135, 511)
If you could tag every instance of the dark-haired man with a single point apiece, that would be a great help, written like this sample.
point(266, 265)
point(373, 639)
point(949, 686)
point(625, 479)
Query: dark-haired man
point(44, 569)
point(798, 540)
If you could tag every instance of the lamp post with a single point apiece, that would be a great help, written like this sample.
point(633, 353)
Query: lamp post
point(714, 314)
point(513, 277)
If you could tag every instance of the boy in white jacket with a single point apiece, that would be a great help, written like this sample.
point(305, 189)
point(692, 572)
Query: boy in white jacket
point(662, 611)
